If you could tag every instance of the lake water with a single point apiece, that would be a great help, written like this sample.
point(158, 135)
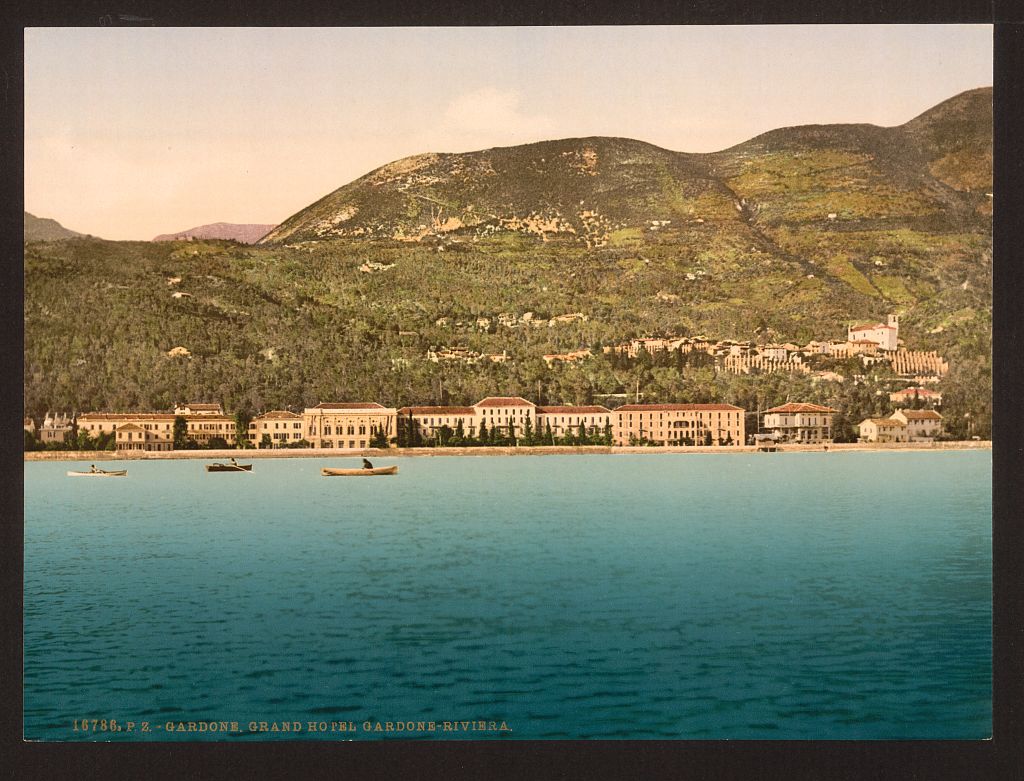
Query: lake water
point(830, 595)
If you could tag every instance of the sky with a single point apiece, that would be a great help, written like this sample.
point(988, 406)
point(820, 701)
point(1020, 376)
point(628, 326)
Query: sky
point(133, 132)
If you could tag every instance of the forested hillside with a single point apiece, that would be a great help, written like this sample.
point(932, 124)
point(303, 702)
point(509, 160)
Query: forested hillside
point(787, 237)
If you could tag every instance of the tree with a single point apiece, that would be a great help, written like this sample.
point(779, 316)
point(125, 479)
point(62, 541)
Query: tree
point(266, 441)
point(608, 433)
point(84, 442)
point(483, 436)
point(378, 438)
point(549, 438)
point(527, 438)
point(512, 433)
point(581, 434)
point(31, 443)
point(707, 437)
point(217, 443)
point(460, 433)
point(242, 420)
point(180, 433)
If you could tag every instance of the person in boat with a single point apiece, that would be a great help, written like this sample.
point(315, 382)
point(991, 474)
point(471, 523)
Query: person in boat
point(93, 469)
point(233, 462)
point(367, 464)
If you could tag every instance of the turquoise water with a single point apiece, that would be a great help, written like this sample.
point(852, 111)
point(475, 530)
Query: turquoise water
point(768, 596)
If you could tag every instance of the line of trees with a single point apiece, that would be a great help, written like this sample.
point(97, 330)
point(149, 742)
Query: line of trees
point(411, 434)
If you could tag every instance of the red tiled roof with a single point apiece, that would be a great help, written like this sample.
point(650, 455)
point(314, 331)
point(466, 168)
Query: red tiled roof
point(800, 407)
point(870, 327)
point(918, 391)
point(885, 422)
point(278, 414)
point(349, 405)
point(920, 414)
point(678, 408)
point(437, 410)
point(504, 401)
point(591, 409)
point(200, 406)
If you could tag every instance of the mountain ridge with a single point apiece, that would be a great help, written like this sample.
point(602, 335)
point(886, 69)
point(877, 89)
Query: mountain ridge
point(244, 233)
point(541, 189)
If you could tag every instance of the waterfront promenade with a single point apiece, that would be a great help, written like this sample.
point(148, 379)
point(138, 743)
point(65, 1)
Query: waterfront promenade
point(556, 450)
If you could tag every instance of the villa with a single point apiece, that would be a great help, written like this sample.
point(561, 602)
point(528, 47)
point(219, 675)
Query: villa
point(883, 430)
point(923, 425)
point(885, 335)
point(799, 422)
point(909, 395)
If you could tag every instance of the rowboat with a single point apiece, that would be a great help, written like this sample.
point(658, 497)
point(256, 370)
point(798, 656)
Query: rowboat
point(229, 467)
point(100, 473)
point(377, 470)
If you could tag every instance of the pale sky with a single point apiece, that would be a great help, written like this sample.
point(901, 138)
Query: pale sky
point(132, 132)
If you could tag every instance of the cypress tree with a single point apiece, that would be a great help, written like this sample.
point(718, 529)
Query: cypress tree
point(180, 433)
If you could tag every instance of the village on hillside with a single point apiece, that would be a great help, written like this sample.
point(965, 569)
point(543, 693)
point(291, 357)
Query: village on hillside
point(516, 421)
point(871, 343)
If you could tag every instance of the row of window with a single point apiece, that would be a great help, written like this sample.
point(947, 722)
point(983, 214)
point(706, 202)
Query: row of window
point(661, 415)
point(341, 443)
point(338, 430)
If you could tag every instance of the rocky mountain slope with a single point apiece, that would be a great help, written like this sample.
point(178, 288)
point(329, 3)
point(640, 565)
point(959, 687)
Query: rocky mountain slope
point(935, 171)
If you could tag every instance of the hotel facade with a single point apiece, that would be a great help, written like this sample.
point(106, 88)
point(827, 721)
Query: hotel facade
point(679, 424)
point(347, 425)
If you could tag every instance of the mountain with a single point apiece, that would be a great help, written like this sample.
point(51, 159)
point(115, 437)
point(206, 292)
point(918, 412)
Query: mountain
point(45, 229)
point(936, 168)
point(546, 249)
point(243, 234)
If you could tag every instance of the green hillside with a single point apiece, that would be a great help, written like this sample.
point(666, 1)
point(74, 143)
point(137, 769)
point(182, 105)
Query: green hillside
point(787, 237)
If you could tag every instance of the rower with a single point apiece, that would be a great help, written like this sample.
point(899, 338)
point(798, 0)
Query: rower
point(367, 464)
point(92, 468)
point(233, 462)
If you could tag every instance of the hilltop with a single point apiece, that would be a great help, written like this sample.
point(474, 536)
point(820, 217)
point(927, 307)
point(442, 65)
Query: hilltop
point(45, 229)
point(934, 170)
point(243, 234)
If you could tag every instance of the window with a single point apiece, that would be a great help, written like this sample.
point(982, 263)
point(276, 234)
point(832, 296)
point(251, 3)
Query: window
point(351, 430)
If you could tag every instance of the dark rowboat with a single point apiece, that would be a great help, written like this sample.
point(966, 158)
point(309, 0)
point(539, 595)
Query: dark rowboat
point(100, 473)
point(229, 467)
point(379, 470)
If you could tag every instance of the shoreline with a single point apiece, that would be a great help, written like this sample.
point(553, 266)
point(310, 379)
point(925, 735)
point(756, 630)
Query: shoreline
point(556, 450)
